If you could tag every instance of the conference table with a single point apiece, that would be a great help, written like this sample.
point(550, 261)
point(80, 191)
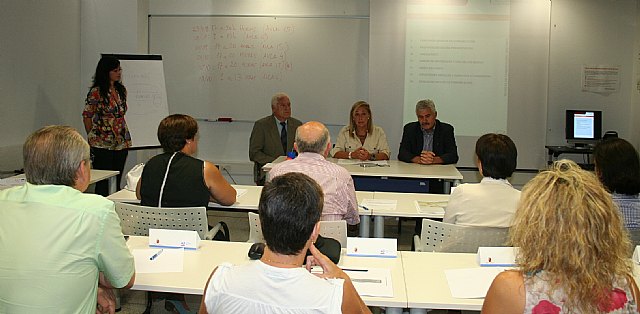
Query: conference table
point(198, 265)
point(249, 197)
point(418, 278)
point(393, 169)
point(96, 175)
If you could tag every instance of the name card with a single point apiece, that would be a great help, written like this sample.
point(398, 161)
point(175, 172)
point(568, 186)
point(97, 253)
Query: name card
point(497, 256)
point(187, 239)
point(372, 247)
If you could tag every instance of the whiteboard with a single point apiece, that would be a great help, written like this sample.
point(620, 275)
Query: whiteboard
point(146, 97)
point(230, 66)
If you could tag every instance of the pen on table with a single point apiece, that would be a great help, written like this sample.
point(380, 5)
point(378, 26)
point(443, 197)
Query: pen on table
point(154, 256)
point(363, 207)
point(349, 269)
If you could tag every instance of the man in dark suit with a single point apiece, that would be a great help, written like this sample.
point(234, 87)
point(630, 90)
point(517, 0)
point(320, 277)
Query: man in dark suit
point(272, 136)
point(428, 142)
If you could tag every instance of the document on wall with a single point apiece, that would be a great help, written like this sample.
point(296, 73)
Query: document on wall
point(379, 204)
point(159, 260)
point(373, 282)
point(601, 78)
point(471, 283)
point(431, 207)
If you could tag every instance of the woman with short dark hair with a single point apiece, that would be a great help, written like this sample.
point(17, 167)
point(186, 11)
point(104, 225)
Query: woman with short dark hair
point(493, 201)
point(178, 178)
point(618, 168)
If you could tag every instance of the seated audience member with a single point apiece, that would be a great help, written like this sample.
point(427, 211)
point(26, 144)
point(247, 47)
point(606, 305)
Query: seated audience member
point(573, 255)
point(61, 251)
point(272, 136)
point(313, 143)
point(290, 208)
point(493, 201)
point(184, 181)
point(618, 168)
point(428, 141)
point(361, 139)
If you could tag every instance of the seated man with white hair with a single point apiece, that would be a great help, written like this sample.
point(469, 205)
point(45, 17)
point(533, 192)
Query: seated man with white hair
point(61, 251)
point(313, 143)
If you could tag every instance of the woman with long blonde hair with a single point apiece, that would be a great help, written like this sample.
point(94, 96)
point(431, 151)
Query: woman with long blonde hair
point(361, 139)
point(574, 250)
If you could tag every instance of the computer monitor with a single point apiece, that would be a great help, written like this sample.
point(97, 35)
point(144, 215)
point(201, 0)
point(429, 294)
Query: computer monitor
point(583, 127)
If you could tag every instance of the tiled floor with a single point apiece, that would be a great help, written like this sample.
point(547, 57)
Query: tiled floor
point(135, 301)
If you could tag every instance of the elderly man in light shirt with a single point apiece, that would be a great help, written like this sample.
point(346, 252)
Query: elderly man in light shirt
point(313, 143)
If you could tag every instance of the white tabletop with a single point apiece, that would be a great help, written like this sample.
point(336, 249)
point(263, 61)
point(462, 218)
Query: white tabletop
point(427, 285)
point(406, 204)
point(96, 175)
point(198, 265)
point(401, 169)
point(396, 169)
point(248, 201)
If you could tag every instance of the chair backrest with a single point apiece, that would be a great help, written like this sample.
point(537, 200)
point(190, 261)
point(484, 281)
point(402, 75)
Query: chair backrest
point(634, 235)
point(255, 230)
point(336, 230)
point(137, 220)
point(444, 237)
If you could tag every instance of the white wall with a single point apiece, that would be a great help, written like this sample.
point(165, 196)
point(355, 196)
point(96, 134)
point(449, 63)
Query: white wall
point(53, 46)
point(593, 32)
point(39, 80)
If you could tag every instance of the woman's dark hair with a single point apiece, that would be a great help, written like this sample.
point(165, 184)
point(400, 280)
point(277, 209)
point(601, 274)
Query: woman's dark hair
point(102, 81)
point(617, 166)
point(290, 206)
point(175, 130)
point(498, 155)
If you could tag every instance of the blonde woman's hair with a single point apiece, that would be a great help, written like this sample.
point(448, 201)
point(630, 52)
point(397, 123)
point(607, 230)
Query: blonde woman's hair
point(568, 226)
point(352, 124)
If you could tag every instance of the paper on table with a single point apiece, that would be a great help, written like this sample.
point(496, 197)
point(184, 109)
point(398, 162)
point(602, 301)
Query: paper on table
point(240, 192)
point(431, 207)
point(374, 282)
point(471, 283)
point(169, 261)
point(379, 204)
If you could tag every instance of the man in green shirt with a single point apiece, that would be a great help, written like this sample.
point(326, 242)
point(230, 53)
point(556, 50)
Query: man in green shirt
point(60, 250)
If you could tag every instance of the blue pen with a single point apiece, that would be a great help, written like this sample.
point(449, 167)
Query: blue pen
point(154, 256)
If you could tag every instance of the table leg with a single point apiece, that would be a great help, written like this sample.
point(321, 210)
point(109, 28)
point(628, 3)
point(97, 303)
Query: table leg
point(112, 185)
point(364, 226)
point(393, 310)
point(378, 226)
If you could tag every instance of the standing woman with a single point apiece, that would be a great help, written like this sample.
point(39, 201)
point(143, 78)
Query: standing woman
point(103, 118)
point(361, 139)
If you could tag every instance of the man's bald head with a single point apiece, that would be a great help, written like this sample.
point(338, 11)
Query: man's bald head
point(312, 137)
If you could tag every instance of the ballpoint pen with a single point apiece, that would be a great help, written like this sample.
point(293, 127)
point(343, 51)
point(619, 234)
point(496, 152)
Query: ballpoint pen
point(154, 256)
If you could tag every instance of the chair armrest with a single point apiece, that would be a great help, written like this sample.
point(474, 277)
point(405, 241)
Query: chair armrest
point(212, 232)
point(416, 243)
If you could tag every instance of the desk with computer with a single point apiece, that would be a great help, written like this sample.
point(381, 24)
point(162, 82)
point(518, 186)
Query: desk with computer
point(583, 130)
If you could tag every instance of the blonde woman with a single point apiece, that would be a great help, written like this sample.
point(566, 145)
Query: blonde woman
point(573, 250)
point(361, 139)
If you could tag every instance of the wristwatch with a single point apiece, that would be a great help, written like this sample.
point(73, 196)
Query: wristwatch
point(350, 155)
